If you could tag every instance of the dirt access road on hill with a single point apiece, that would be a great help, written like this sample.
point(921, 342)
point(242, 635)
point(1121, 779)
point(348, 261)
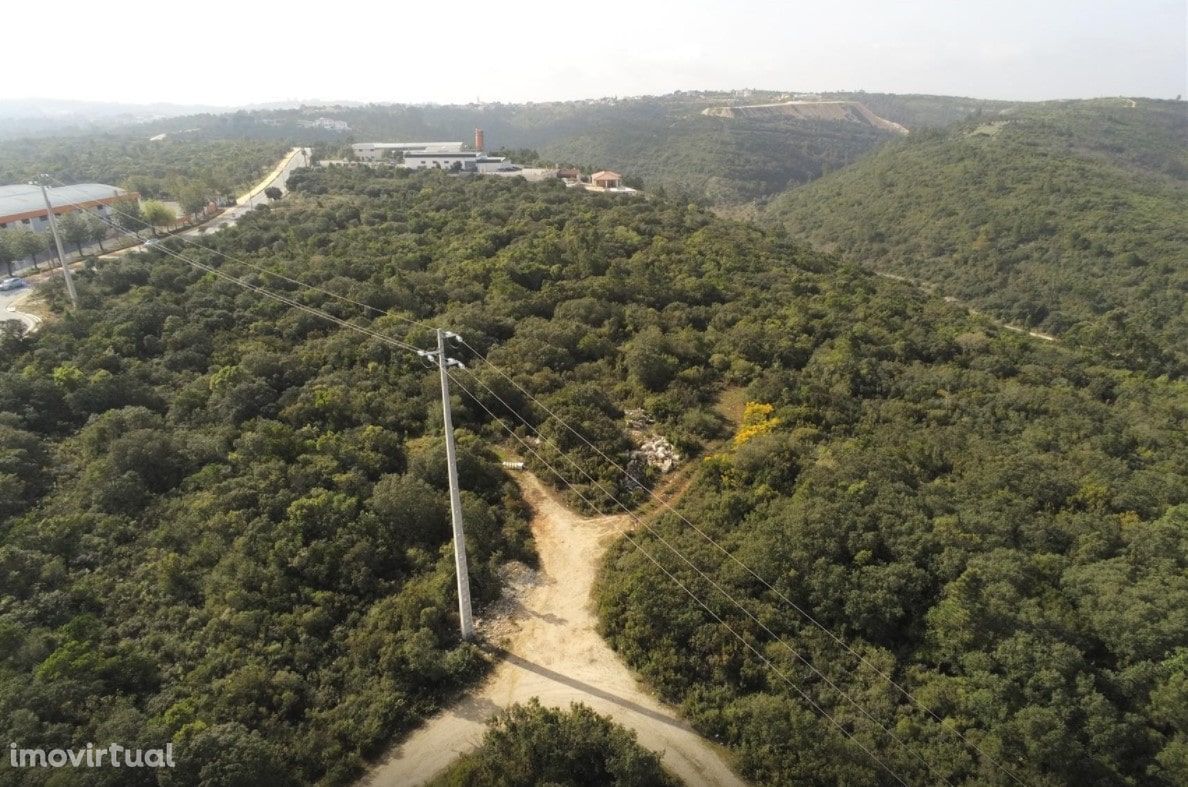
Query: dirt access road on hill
point(932, 290)
point(553, 652)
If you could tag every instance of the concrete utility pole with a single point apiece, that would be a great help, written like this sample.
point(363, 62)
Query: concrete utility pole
point(49, 209)
point(447, 420)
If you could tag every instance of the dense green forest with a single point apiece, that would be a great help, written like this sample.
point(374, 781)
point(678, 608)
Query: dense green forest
point(165, 169)
point(1069, 217)
point(226, 523)
point(527, 745)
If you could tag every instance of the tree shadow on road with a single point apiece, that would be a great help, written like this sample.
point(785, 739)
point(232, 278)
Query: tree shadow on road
point(587, 688)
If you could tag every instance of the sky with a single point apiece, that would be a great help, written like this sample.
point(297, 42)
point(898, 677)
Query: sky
point(252, 51)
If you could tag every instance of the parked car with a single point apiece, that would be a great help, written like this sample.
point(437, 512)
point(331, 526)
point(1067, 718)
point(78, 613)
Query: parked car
point(11, 283)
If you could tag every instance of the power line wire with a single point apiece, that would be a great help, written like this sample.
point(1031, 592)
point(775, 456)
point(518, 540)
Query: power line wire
point(862, 659)
point(623, 531)
point(647, 526)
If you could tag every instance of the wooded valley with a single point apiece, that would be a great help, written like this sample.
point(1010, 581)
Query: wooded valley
point(1068, 217)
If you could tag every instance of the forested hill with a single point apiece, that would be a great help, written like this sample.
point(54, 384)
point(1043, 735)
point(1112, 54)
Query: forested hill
point(663, 141)
point(1069, 217)
point(225, 519)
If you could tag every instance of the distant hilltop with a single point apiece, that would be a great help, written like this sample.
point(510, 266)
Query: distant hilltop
point(836, 111)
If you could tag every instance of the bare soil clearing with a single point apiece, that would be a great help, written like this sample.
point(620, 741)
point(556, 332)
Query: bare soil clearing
point(552, 651)
point(835, 111)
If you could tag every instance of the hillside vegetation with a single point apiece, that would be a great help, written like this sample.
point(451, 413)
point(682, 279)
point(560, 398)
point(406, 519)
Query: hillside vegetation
point(164, 169)
point(226, 525)
point(724, 161)
point(1070, 217)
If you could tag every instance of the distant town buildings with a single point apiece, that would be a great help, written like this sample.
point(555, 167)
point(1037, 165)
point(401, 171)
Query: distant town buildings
point(23, 205)
point(330, 124)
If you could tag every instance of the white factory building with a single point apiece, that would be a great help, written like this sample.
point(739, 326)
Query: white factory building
point(465, 160)
point(436, 155)
point(374, 151)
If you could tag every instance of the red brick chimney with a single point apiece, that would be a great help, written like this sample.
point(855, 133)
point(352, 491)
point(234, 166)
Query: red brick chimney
point(478, 140)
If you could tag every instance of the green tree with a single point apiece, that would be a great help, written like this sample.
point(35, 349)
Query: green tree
point(27, 244)
point(97, 230)
point(129, 216)
point(157, 215)
point(8, 250)
point(411, 510)
point(530, 744)
point(73, 228)
point(648, 360)
point(193, 199)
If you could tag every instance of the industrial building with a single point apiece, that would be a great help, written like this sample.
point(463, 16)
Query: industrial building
point(465, 160)
point(24, 206)
point(436, 155)
point(374, 151)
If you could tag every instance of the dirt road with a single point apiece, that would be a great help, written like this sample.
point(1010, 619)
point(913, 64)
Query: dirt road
point(931, 290)
point(553, 652)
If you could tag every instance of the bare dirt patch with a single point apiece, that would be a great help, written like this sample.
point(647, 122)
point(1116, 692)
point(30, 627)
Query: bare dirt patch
point(834, 111)
point(545, 633)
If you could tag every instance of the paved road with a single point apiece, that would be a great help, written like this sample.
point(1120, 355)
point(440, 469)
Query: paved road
point(278, 177)
point(9, 307)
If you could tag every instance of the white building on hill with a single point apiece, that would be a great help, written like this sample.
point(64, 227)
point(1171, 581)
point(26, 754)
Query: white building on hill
point(464, 160)
point(374, 151)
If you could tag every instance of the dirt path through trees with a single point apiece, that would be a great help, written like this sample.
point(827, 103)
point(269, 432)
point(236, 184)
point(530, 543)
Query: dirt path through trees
point(552, 651)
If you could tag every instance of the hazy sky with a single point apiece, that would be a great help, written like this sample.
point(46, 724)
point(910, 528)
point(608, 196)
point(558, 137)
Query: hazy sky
point(219, 52)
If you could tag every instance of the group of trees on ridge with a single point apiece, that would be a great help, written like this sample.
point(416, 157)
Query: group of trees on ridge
point(226, 523)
